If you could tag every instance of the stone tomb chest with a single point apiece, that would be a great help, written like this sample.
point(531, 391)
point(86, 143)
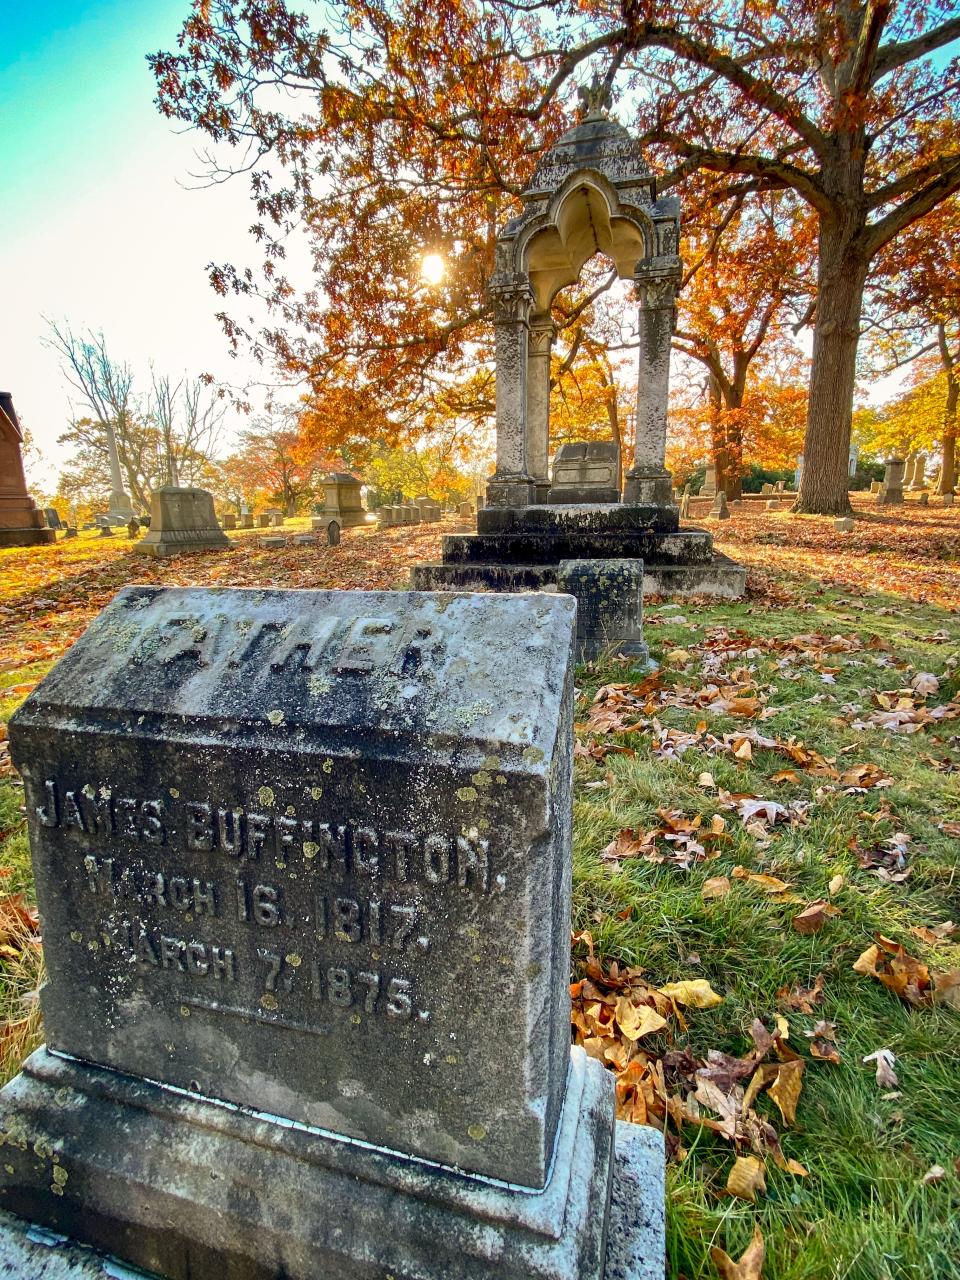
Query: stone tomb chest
point(586, 471)
point(307, 853)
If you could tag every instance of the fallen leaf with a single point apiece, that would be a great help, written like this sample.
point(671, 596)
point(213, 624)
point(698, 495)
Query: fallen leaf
point(813, 918)
point(746, 1178)
point(715, 887)
point(769, 884)
point(636, 1022)
point(695, 992)
point(935, 1173)
point(900, 972)
point(750, 1266)
point(785, 1090)
point(835, 885)
point(823, 1041)
point(925, 683)
point(706, 780)
point(803, 999)
point(885, 1059)
point(946, 988)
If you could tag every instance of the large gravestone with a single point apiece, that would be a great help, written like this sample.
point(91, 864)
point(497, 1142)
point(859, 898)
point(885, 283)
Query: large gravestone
point(303, 865)
point(181, 520)
point(342, 500)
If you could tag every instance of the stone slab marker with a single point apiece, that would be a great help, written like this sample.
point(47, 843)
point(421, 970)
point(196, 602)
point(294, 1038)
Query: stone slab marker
point(303, 865)
point(182, 519)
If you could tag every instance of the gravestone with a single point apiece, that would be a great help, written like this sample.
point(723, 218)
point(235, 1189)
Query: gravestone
point(947, 499)
point(271, 541)
point(52, 517)
point(844, 525)
point(924, 499)
point(21, 523)
point(182, 519)
point(875, 486)
point(709, 487)
point(133, 527)
point(766, 489)
point(772, 505)
point(465, 511)
point(685, 506)
point(71, 531)
point(720, 510)
point(303, 863)
point(609, 596)
point(228, 520)
point(586, 471)
point(263, 520)
point(891, 492)
point(246, 521)
point(106, 530)
point(276, 519)
point(342, 500)
point(333, 534)
point(304, 539)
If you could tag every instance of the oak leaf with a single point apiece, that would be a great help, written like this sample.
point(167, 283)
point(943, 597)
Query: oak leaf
point(747, 1177)
point(750, 1265)
point(695, 992)
point(785, 1090)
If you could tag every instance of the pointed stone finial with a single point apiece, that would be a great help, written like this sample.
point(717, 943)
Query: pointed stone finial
point(595, 99)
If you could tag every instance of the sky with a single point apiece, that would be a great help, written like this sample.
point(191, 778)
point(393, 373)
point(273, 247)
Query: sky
point(100, 226)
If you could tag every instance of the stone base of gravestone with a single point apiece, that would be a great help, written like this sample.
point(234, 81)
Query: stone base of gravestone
point(635, 1230)
point(844, 524)
point(304, 539)
point(343, 501)
point(182, 520)
point(609, 596)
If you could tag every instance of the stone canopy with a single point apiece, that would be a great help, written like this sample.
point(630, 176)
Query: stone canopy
point(592, 192)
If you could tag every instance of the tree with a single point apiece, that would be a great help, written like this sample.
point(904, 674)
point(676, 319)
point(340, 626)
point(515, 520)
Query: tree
point(425, 114)
point(189, 419)
point(747, 276)
point(913, 310)
point(274, 461)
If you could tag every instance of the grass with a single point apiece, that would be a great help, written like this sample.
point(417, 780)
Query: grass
point(864, 1212)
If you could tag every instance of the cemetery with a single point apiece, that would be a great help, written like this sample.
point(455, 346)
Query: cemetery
point(480, 772)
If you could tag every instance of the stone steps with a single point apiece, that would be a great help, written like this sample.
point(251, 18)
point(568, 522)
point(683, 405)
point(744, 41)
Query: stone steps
point(687, 546)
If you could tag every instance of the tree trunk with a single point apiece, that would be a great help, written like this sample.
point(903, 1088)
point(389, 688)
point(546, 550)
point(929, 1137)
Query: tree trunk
point(841, 274)
point(949, 463)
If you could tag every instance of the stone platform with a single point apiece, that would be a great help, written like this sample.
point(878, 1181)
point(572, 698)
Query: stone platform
point(634, 1249)
point(520, 549)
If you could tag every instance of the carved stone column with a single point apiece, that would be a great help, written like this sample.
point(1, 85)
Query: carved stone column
point(648, 480)
point(539, 344)
point(511, 485)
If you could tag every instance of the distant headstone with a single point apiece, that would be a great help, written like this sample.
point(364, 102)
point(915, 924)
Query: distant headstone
point(917, 478)
point(585, 471)
point(272, 541)
point(465, 511)
point(609, 596)
point(947, 499)
point(304, 540)
point(772, 505)
point(779, 487)
point(720, 510)
point(924, 499)
point(71, 531)
point(875, 486)
point(333, 534)
point(342, 500)
point(303, 862)
point(891, 492)
point(106, 531)
point(133, 527)
point(228, 520)
point(182, 519)
point(766, 489)
point(263, 520)
point(709, 486)
point(246, 521)
point(52, 517)
point(685, 506)
point(276, 519)
point(844, 525)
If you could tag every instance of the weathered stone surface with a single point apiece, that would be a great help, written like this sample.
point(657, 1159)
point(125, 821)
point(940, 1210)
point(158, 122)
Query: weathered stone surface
point(844, 525)
point(263, 520)
point(182, 520)
point(52, 517)
point(194, 1190)
point(71, 531)
point(333, 533)
point(307, 852)
point(228, 520)
point(304, 540)
point(609, 596)
point(586, 472)
point(246, 521)
point(891, 492)
point(272, 540)
point(720, 510)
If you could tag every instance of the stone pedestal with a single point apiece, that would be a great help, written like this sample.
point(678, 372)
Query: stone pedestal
point(182, 520)
point(709, 486)
point(22, 524)
point(342, 500)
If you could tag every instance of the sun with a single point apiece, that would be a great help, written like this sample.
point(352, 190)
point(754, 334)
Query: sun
point(433, 268)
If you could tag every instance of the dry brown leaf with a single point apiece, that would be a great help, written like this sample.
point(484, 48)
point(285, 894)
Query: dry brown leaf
point(813, 918)
point(750, 1266)
point(901, 973)
point(803, 999)
point(946, 988)
point(835, 885)
point(715, 887)
point(769, 884)
point(785, 1090)
point(935, 1173)
point(885, 1059)
point(747, 1176)
point(695, 992)
point(823, 1041)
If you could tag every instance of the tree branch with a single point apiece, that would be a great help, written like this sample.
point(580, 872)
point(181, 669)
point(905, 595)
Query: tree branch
point(891, 56)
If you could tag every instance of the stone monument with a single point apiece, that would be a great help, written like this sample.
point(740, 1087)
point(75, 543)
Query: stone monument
point(182, 520)
point(709, 487)
point(303, 863)
point(342, 500)
point(891, 491)
point(591, 191)
point(22, 524)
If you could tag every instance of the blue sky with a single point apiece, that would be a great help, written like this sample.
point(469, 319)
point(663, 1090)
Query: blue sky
point(99, 225)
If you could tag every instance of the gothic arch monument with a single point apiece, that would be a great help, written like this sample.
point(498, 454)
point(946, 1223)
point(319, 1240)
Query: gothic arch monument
point(592, 192)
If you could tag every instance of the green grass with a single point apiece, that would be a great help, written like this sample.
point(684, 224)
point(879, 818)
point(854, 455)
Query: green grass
point(863, 1213)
